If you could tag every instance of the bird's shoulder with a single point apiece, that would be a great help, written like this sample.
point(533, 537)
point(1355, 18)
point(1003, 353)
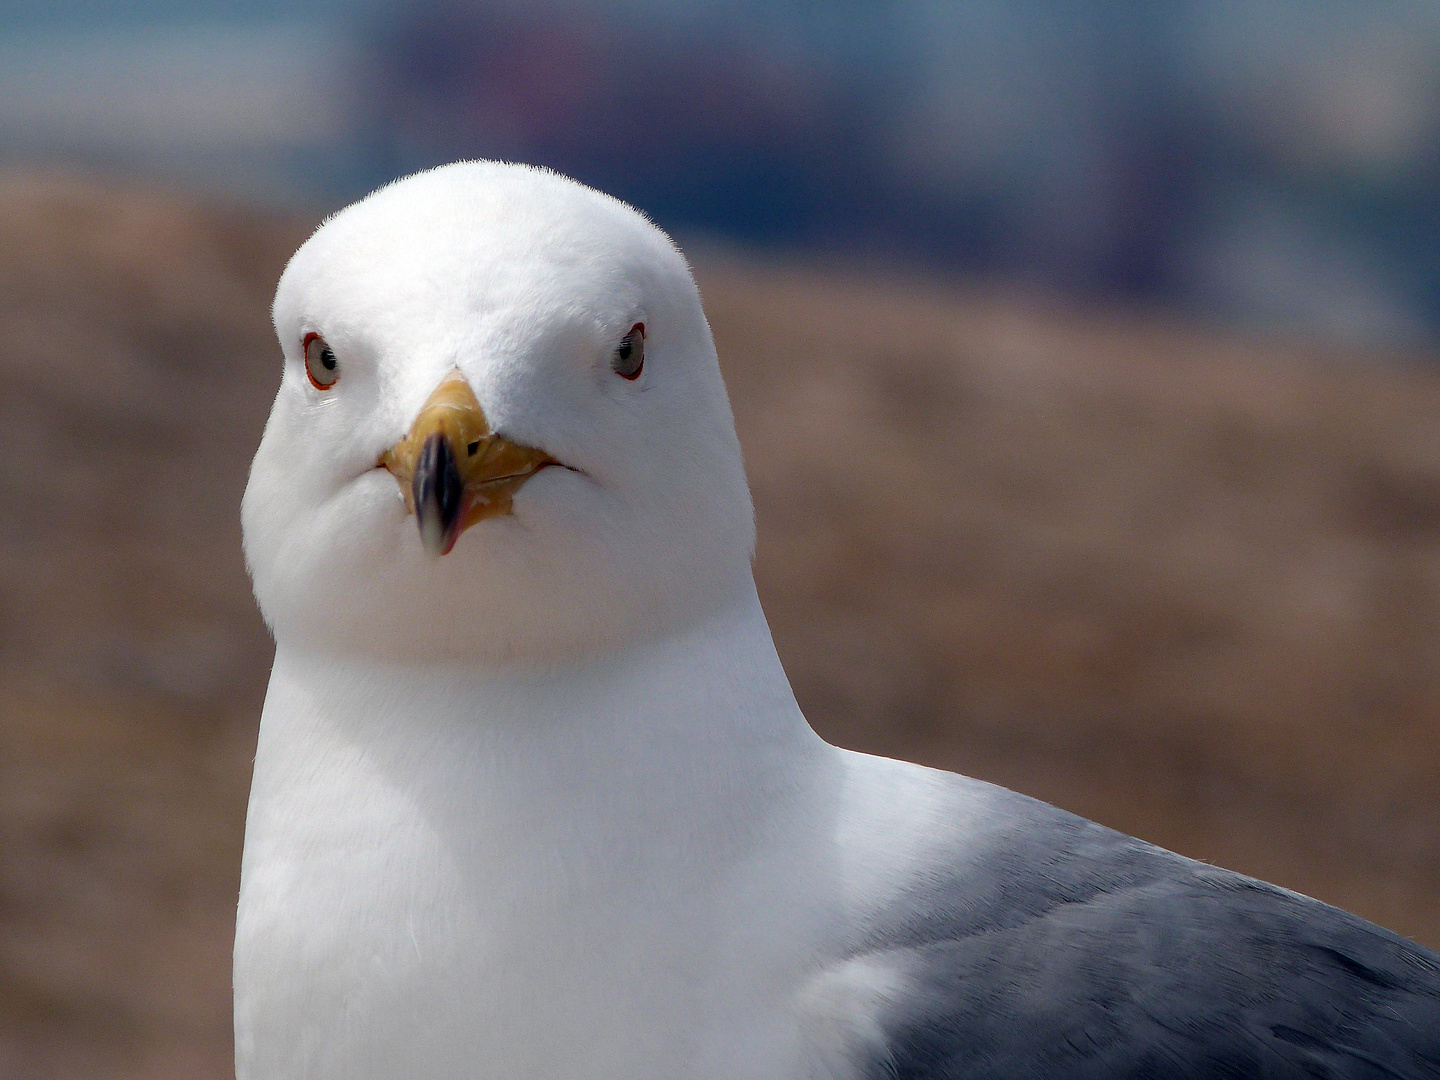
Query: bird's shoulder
point(1033, 942)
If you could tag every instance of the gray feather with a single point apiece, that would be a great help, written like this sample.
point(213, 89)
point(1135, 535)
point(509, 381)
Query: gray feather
point(1066, 950)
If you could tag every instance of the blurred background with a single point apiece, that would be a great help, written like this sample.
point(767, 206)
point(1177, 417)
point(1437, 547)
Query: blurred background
point(1137, 307)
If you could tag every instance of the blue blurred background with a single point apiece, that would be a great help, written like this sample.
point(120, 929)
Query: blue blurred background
point(1271, 164)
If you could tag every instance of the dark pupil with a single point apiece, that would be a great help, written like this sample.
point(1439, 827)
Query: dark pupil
point(626, 348)
point(327, 359)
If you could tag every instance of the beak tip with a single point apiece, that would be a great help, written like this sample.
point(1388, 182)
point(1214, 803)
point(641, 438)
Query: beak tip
point(438, 493)
point(432, 536)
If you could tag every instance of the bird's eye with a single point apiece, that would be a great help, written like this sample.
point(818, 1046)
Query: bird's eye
point(320, 362)
point(629, 358)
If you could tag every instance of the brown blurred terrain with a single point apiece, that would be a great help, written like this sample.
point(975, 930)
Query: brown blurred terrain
point(1187, 585)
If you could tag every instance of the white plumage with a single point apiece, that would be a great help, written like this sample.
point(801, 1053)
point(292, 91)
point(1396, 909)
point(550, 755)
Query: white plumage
point(545, 806)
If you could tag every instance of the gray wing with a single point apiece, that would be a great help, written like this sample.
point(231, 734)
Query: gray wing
point(1070, 951)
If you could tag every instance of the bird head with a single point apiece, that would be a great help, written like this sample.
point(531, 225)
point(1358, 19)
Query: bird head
point(501, 431)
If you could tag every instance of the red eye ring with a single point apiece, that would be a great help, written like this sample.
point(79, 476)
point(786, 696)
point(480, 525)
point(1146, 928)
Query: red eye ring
point(629, 358)
point(322, 358)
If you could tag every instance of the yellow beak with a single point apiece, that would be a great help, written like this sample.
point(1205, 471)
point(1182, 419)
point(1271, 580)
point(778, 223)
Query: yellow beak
point(453, 470)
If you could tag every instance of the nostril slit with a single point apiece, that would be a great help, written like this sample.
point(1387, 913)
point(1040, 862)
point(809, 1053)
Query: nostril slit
point(473, 447)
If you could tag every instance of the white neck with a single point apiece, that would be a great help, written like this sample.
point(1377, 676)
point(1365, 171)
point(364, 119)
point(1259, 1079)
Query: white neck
point(660, 732)
point(528, 816)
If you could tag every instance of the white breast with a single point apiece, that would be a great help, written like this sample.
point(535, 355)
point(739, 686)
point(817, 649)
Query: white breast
point(434, 889)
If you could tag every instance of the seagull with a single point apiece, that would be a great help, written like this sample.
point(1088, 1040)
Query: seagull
point(532, 795)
